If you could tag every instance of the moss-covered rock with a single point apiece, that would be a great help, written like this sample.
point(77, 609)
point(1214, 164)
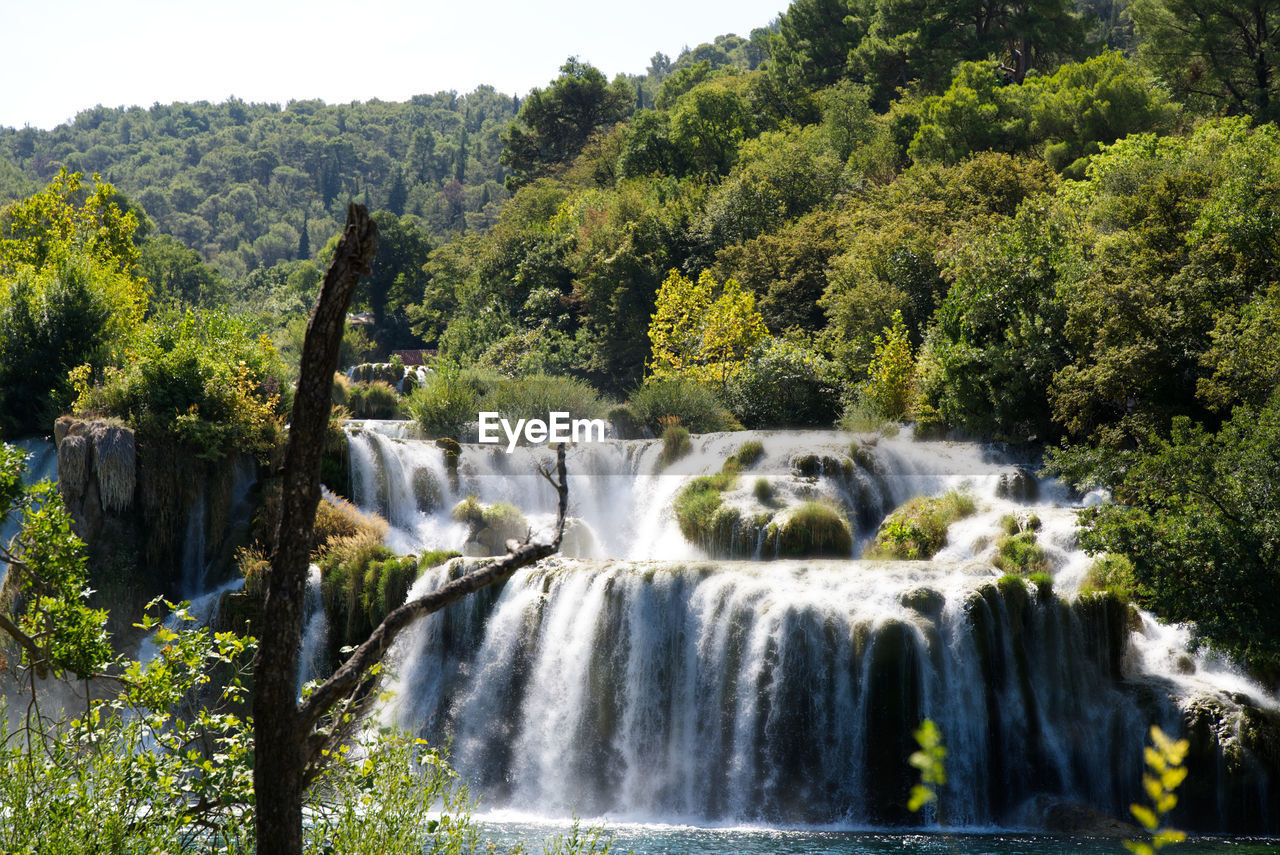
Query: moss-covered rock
point(491, 526)
point(817, 465)
point(428, 492)
point(918, 529)
point(813, 529)
point(1020, 485)
point(452, 451)
point(697, 502)
point(927, 601)
point(1021, 553)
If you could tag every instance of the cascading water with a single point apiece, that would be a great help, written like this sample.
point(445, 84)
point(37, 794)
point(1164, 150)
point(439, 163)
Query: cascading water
point(635, 677)
point(315, 631)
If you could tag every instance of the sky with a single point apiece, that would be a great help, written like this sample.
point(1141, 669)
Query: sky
point(63, 56)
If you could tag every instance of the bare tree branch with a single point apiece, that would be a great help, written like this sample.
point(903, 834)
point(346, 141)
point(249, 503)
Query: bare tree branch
point(350, 675)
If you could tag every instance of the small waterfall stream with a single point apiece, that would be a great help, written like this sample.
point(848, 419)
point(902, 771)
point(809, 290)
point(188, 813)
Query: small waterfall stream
point(636, 677)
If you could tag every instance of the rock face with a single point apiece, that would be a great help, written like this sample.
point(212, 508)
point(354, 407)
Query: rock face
point(156, 518)
point(1059, 816)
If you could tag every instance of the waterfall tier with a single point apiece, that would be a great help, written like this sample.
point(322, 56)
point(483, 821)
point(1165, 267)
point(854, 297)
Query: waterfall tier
point(636, 677)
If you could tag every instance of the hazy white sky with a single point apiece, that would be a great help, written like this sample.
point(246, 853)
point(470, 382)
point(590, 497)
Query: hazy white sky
point(62, 56)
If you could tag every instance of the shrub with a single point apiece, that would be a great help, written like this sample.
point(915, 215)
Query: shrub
point(918, 529)
point(202, 379)
point(813, 529)
point(341, 389)
point(376, 400)
point(859, 416)
point(1112, 574)
point(763, 491)
point(534, 396)
point(451, 397)
point(341, 519)
point(445, 402)
point(1012, 524)
point(624, 421)
point(695, 405)
point(253, 565)
point(675, 443)
point(1020, 553)
point(335, 461)
point(782, 384)
point(748, 453)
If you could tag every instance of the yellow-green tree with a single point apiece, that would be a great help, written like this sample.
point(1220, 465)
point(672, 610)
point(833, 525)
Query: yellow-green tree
point(702, 330)
point(69, 295)
point(891, 384)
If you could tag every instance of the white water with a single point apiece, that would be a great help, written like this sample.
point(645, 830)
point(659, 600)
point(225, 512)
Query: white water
point(637, 678)
point(315, 632)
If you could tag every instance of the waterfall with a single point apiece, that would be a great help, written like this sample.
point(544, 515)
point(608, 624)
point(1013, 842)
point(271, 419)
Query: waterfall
point(315, 631)
point(640, 678)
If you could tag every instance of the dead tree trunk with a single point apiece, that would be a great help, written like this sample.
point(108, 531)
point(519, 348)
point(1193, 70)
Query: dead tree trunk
point(288, 748)
point(280, 737)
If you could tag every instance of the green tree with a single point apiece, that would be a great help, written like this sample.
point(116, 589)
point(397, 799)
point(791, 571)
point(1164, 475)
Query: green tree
point(555, 123)
point(811, 48)
point(1174, 244)
point(998, 342)
point(68, 216)
point(396, 280)
point(1223, 54)
point(1197, 517)
point(709, 123)
point(892, 237)
point(786, 270)
point(783, 383)
point(1066, 116)
point(923, 40)
point(176, 274)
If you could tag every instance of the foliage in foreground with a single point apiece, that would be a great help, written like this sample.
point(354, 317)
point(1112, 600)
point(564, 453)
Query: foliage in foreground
point(1164, 774)
point(159, 756)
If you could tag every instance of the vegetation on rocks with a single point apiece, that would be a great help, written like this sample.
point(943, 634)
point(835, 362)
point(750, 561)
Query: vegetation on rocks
point(918, 529)
point(490, 526)
point(809, 530)
point(675, 442)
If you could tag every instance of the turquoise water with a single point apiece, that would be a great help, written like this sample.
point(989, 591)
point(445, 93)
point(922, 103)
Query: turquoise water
point(683, 840)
